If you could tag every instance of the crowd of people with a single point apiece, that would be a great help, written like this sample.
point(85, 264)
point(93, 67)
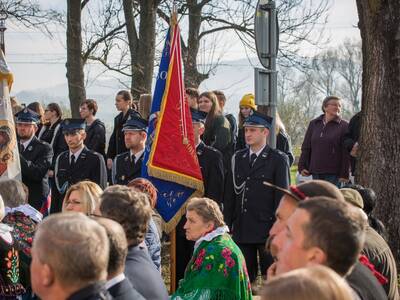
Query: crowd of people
point(315, 240)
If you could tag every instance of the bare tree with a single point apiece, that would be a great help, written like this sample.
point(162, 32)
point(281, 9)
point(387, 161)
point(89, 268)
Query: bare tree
point(29, 13)
point(379, 161)
point(209, 17)
point(324, 72)
point(349, 67)
point(141, 43)
point(75, 75)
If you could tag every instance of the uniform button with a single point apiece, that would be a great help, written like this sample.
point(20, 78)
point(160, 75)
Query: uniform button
point(245, 210)
point(245, 200)
point(247, 189)
point(248, 178)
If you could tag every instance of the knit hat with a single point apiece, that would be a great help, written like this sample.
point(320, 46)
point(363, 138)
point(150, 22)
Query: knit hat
point(248, 101)
point(353, 197)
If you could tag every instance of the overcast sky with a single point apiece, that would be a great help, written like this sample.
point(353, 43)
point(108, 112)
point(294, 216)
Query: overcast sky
point(39, 62)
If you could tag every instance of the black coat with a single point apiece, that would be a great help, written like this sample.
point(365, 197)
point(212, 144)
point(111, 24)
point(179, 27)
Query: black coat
point(54, 136)
point(352, 136)
point(124, 291)
point(251, 213)
point(212, 170)
point(143, 274)
point(35, 162)
point(283, 144)
point(363, 282)
point(124, 169)
point(89, 166)
point(94, 291)
point(96, 137)
point(116, 144)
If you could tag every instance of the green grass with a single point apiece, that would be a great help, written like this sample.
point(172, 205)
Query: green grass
point(293, 170)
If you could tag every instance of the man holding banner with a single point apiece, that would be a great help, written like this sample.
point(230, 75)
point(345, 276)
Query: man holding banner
point(170, 160)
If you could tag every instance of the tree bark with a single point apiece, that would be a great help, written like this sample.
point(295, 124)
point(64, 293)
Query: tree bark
point(193, 77)
point(379, 161)
point(74, 65)
point(141, 44)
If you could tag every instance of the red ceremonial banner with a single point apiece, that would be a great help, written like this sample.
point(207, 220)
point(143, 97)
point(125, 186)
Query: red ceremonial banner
point(173, 156)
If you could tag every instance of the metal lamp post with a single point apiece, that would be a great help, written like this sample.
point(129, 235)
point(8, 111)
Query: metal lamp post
point(267, 37)
point(3, 17)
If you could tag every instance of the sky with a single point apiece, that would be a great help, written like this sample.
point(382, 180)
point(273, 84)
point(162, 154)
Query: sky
point(39, 62)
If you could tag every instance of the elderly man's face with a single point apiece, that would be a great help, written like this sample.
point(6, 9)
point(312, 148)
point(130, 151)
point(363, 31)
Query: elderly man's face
point(292, 254)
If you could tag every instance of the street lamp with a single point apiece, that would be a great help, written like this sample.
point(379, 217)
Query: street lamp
point(3, 17)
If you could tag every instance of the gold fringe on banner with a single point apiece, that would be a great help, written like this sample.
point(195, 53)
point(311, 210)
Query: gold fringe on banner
point(169, 175)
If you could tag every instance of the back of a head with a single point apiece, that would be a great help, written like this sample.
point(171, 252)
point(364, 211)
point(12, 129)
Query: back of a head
point(75, 247)
point(13, 193)
point(129, 208)
point(118, 245)
point(313, 283)
point(317, 188)
point(337, 228)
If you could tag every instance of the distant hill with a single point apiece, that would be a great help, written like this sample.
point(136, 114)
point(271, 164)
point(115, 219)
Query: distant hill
point(234, 78)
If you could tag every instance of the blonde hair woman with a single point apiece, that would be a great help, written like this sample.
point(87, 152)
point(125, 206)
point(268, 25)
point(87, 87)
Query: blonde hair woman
point(84, 197)
point(314, 283)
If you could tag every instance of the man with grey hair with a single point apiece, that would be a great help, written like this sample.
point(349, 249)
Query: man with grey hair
point(119, 287)
point(69, 258)
point(132, 210)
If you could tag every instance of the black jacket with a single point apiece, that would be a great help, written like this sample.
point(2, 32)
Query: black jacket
point(54, 136)
point(89, 166)
point(283, 144)
point(212, 170)
point(143, 275)
point(124, 169)
point(95, 291)
point(352, 136)
point(365, 284)
point(116, 144)
point(124, 291)
point(96, 137)
point(249, 208)
point(35, 162)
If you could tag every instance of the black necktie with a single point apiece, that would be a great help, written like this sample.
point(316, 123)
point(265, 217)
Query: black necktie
point(253, 158)
point(21, 148)
point(133, 157)
point(72, 164)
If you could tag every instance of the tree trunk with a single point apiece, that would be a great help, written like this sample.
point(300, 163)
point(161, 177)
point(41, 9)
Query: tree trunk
point(141, 45)
point(75, 75)
point(379, 162)
point(193, 77)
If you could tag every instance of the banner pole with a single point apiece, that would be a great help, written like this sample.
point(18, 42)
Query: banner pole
point(173, 261)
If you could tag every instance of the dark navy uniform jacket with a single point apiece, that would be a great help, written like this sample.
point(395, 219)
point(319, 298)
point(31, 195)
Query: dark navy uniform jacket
point(35, 162)
point(124, 169)
point(249, 205)
point(90, 165)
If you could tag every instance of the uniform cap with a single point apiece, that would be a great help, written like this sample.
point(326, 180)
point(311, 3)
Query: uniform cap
point(258, 120)
point(27, 116)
